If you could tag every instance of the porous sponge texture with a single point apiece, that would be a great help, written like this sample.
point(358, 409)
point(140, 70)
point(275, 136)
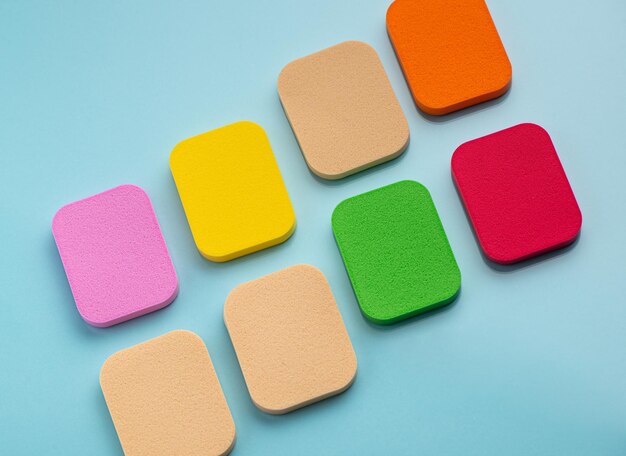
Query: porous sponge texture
point(232, 191)
point(165, 398)
point(290, 340)
point(114, 256)
point(450, 52)
point(343, 110)
point(516, 193)
point(396, 252)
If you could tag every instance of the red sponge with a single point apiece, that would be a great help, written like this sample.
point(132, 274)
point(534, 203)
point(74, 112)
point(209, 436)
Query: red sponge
point(516, 193)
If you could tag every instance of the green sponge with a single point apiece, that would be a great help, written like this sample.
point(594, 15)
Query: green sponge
point(396, 252)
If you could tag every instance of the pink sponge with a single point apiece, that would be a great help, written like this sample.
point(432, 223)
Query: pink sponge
point(115, 256)
point(516, 193)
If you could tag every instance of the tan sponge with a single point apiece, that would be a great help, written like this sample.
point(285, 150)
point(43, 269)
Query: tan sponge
point(290, 339)
point(165, 399)
point(343, 110)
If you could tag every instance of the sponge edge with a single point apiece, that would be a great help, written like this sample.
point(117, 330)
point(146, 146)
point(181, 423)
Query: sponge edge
point(105, 242)
point(396, 252)
point(450, 52)
point(343, 110)
point(232, 191)
point(516, 193)
point(165, 398)
point(290, 340)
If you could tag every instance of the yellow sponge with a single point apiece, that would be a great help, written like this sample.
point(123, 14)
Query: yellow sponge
point(232, 191)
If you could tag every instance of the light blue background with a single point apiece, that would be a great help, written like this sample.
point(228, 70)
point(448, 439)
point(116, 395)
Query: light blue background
point(528, 361)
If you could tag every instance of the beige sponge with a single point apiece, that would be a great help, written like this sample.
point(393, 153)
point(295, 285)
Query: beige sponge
point(165, 399)
point(290, 340)
point(343, 110)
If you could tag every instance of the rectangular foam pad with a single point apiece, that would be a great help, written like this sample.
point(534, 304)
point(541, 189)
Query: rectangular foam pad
point(165, 399)
point(516, 193)
point(396, 252)
point(342, 109)
point(232, 191)
point(290, 340)
point(114, 256)
point(450, 52)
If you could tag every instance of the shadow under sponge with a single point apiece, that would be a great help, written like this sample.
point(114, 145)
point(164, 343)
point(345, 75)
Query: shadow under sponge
point(396, 252)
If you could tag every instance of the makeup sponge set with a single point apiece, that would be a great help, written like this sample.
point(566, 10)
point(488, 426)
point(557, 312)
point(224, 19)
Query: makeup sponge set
point(293, 348)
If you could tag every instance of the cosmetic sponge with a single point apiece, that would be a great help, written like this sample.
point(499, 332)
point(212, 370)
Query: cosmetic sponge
point(290, 340)
point(516, 193)
point(232, 191)
point(343, 110)
point(114, 256)
point(165, 398)
point(450, 52)
point(396, 252)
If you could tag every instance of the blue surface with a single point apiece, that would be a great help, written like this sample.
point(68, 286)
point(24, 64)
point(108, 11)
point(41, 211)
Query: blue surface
point(530, 360)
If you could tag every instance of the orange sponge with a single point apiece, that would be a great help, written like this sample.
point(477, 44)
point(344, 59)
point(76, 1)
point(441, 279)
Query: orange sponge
point(450, 52)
